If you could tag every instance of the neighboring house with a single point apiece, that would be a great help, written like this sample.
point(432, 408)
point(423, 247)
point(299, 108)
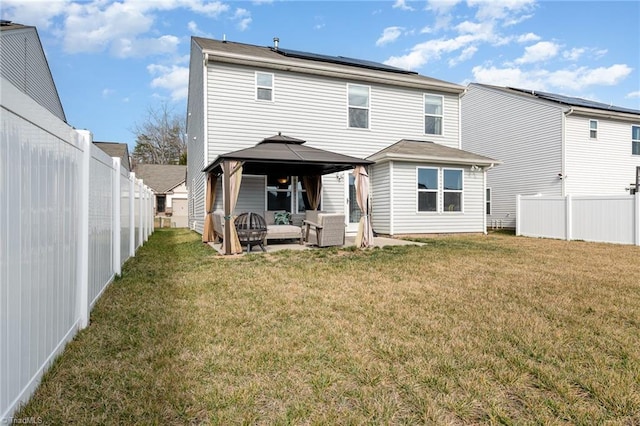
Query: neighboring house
point(24, 64)
point(422, 182)
point(117, 150)
point(549, 144)
point(168, 185)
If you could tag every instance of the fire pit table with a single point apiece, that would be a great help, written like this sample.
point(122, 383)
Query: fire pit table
point(251, 229)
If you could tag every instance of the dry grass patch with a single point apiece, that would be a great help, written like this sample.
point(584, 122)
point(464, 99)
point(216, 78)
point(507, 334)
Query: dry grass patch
point(472, 329)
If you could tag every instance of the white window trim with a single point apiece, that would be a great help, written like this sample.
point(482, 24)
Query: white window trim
point(634, 141)
point(368, 108)
point(593, 130)
point(460, 191)
point(437, 191)
point(272, 88)
point(424, 115)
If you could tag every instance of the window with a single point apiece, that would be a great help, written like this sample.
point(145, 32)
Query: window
point(279, 191)
point(635, 140)
point(427, 190)
point(264, 86)
point(161, 201)
point(287, 193)
point(358, 106)
point(593, 129)
point(488, 201)
point(452, 190)
point(433, 114)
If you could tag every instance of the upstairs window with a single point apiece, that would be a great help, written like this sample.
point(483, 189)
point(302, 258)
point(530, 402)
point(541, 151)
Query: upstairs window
point(593, 129)
point(433, 114)
point(635, 140)
point(358, 106)
point(264, 86)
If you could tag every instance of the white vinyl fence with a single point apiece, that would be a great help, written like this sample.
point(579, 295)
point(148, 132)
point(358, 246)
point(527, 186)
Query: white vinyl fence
point(70, 216)
point(609, 219)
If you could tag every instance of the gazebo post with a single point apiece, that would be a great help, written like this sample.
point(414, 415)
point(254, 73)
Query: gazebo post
point(226, 179)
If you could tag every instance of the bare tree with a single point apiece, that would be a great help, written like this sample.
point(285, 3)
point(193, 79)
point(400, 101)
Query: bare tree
point(161, 138)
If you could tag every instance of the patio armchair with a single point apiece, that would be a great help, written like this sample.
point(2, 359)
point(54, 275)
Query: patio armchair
point(328, 231)
point(218, 224)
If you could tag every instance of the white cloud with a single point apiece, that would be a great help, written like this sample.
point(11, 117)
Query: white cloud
point(100, 25)
point(574, 54)
point(390, 34)
point(633, 95)
point(175, 79)
point(107, 92)
point(441, 7)
point(507, 10)
point(36, 13)
point(574, 80)
point(528, 37)
point(539, 52)
point(402, 5)
point(579, 78)
point(466, 54)
point(243, 16)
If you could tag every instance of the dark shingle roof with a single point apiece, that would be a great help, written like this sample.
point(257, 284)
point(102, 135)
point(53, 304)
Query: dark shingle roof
point(426, 151)
point(570, 101)
point(289, 156)
point(161, 178)
point(118, 150)
point(318, 64)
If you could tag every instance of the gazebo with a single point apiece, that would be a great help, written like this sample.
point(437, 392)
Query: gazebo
point(281, 154)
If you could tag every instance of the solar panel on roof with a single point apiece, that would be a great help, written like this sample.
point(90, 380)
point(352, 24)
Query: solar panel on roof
point(569, 100)
point(343, 60)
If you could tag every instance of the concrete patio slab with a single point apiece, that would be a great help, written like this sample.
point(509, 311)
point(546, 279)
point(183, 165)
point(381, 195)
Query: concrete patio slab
point(291, 245)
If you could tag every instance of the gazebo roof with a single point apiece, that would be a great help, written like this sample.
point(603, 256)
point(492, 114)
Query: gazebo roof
point(285, 155)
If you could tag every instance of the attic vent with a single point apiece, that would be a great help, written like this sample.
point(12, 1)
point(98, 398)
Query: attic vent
point(276, 41)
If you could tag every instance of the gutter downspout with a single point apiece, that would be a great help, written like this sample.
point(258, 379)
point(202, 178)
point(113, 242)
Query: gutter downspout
point(205, 139)
point(484, 196)
point(460, 116)
point(563, 160)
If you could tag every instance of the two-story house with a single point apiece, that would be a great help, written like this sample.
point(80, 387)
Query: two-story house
point(408, 124)
point(549, 144)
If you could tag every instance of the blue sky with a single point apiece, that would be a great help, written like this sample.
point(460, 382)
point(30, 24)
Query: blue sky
point(112, 60)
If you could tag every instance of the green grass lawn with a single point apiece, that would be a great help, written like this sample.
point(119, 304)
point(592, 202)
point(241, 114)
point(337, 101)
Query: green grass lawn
point(465, 329)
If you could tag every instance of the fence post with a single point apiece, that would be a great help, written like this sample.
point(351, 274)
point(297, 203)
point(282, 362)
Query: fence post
point(115, 202)
point(568, 218)
point(518, 200)
point(140, 212)
point(84, 138)
point(132, 219)
point(637, 216)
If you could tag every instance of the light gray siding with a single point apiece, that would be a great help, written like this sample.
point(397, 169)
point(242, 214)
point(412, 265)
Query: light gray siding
point(314, 109)
point(408, 220)
point(23, 63)
point(525, 134)
point(602, 166)
point(380, 175)
point(196, 181)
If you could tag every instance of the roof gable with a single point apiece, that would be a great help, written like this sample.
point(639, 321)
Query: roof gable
point(24, 64)
point(161, 178)
point(426, 151)
point(118, 150)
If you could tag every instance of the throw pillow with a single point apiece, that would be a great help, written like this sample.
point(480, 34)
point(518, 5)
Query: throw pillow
point(281, 218)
